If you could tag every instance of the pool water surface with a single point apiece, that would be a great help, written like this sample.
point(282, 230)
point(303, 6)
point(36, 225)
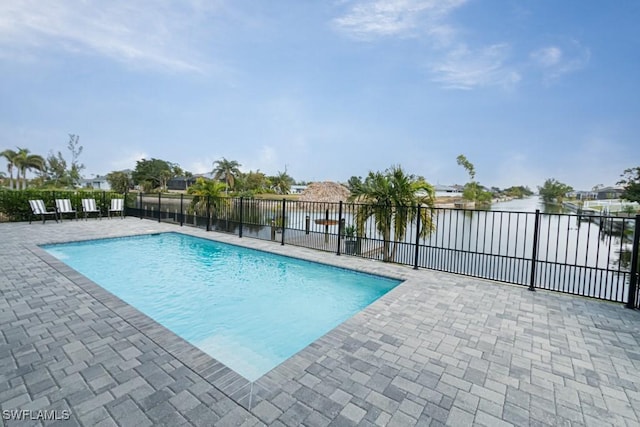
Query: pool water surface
point(249, 309)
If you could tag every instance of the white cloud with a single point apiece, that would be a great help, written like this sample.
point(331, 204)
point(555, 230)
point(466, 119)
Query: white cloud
point(547, 56)
point(368, 19)
point(463, 68)
point(266, 160)
point(141, 33)
point(128, 161)
point(556, 61)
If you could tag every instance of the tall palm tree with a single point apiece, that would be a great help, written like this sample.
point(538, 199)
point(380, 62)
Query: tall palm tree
point(227, 170)
point(25, 161)
point(10, 155)
point(392, 199)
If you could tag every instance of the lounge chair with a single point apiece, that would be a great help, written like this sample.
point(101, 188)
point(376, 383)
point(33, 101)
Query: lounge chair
point(64, 207)
point(89, 207)
point(117, 205)
point(38, 208)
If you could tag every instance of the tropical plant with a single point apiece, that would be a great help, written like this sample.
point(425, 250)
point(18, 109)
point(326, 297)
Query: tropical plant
point(350, 232)
point(119, 181)
point(281, 182)
point(207, 192)
point(473, 191)
point(251, 183)
point(227, 170)
point(154, 173)
point(554, 190)
point(25, 161)
point(10, 155)
point(392, 199)
point(76, 167)
point(631, 181)
point(55, 171)
point(467, 165)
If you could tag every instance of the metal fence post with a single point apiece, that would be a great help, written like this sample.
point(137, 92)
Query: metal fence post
point(284, 211)
point(415, 259)
point(534, 253)
point(208, 213)
point(633, 280)
point(140, 212)
point(159, 203)
point(339, 226)
point(241, 214)
point(181, 209)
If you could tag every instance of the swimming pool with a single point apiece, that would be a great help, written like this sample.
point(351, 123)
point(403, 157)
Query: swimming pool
point(249, 309)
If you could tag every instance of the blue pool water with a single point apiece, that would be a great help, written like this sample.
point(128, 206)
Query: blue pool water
point(248, 309)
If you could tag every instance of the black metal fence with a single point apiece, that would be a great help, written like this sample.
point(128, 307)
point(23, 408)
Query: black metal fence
point(594, 256)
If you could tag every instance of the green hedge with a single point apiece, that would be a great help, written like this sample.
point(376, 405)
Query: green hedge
point(14, 204)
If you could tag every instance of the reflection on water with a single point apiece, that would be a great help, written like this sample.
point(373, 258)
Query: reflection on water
point(530, 204)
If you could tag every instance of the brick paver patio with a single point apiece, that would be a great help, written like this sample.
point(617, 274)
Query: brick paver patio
point(438, 349)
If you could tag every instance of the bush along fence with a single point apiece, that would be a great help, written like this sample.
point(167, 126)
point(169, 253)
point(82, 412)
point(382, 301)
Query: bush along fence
point(593, 256)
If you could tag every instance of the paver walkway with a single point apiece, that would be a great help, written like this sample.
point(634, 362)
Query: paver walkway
point(438, 349)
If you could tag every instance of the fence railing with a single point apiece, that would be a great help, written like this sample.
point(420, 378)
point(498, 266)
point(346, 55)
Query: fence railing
point(593, 256)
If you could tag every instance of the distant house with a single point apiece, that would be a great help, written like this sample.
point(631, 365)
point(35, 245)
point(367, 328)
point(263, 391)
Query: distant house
point(297, 189)
point(606, 193)
point(448, 190)
point(582, 195)
point(180, 182)
point(97, 183)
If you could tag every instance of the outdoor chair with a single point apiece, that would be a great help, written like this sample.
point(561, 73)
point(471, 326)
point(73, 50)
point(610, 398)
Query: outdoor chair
point(64, 207)
point(38, 208)
point(89, 207)
point(117, 205)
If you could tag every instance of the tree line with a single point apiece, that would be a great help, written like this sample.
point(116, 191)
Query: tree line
point(55, 171)
point(154, 174)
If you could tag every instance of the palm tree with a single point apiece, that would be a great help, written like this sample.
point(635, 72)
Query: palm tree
point(206, 188)
point(282, 182)
point(392, 198)
point(10, 155)
point(227, 170)
point(25, 161)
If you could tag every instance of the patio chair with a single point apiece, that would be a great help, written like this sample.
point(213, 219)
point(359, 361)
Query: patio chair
point(89, 207)
point(38, 208)
point(117, 205)
point(64, 207)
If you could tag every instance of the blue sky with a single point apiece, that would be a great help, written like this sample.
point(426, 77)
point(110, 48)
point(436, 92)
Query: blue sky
point(526, 89)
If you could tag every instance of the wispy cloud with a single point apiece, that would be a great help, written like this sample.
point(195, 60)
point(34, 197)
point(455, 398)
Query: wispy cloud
point(128, 160)
point(369, 19)
point(141, 33)
point(452, 63)
point(556, 61)
point(463, 68)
